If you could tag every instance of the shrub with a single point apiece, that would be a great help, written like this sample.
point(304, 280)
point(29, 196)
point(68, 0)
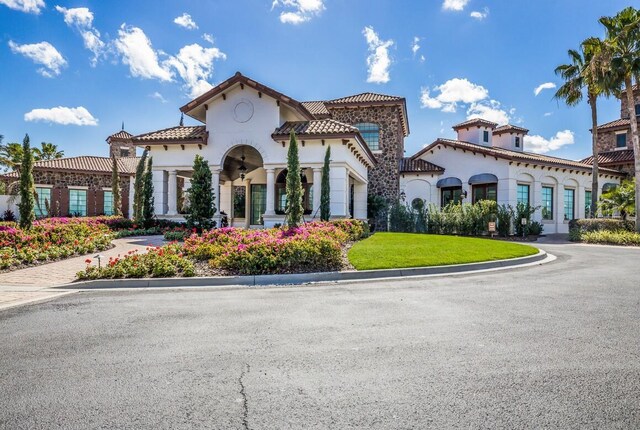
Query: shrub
point(620, 237)
point(178, 234)
point(161, 262)
point(9, 216)
point(601, 224)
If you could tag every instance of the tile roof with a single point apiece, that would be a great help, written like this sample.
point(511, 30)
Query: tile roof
point(365, 98)
point(418, 165)
point(526, 157)
point(618, 123)
point(316, 108)
point(85, 163)
point(179, 134)
point(475, 121)
point(315, 127)
point(509, 127)
point(612, 157)
point(120, 135)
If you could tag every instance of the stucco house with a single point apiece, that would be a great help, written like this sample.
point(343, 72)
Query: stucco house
point(245, 136)
point(490, 162)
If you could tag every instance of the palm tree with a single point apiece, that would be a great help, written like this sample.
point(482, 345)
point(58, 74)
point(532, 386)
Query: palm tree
point(620, 199)
point(10, 155)
point(623, 38)
point(47, 151)
point(589, 69)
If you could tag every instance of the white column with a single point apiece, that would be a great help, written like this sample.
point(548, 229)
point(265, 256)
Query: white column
point(215, 189)
point(247, 202)
point(317, 191)
point(360, 201)
point(271, 191)
point(159, 192)
point(131, 193)
point(172, 193)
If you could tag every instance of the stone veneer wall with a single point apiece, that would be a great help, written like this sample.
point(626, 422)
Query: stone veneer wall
point(607, 141)
point(95, 182)
point(384, 178)
point(116, 145)
point(623, 103)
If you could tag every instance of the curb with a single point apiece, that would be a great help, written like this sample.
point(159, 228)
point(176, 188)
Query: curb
point(302, 278)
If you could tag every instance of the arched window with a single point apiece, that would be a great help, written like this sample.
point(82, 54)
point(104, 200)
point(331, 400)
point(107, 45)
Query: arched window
point(281, 193)
point(371, 134)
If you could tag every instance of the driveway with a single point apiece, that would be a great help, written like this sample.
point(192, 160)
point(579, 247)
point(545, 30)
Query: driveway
point(552, 346)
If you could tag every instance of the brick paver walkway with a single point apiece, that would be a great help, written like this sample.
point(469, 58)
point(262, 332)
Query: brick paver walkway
point(34, 283)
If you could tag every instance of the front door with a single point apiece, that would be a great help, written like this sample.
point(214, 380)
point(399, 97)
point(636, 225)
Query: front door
point(258, 203)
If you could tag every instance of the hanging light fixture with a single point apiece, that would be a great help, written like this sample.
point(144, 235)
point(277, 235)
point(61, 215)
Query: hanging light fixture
point(242, 168)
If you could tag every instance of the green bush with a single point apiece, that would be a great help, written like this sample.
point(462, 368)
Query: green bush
point(601, 224)
point(620, 237)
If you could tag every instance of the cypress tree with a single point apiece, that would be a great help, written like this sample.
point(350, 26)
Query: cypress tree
point(147, 204)
point(115, 187)
point(294, 208)
point(202, 208)
point(27, 186)
point(138, 187)
point(325, 191)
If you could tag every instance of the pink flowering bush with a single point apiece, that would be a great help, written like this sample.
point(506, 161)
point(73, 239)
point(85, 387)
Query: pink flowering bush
point(160, 262)
point(311, 247)
point(51, 239)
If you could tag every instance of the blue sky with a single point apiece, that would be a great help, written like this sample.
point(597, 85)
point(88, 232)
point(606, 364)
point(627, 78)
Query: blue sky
point(104, 62)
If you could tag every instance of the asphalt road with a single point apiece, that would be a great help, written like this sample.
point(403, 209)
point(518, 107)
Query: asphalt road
point(553, 346)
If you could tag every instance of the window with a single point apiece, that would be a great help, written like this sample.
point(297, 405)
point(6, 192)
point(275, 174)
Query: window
point(485, 192)
point(517, 142)
point(371, 134)
point(523, 194)
point(621, 140)
point(569, 204)
point(547, 203)
point(44, 199)
point(108, 202)
point(451, 195)
point(587, 204)
point(78, 202)
point(281, 194)
point(637, 109)
point(485, 136)
point(124, 152)
point(239, 201)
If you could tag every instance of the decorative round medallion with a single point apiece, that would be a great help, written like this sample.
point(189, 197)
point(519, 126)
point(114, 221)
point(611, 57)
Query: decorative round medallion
point(243, 111)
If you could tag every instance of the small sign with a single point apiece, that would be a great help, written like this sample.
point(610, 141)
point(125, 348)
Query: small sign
point(523, 221)
point(492, 227)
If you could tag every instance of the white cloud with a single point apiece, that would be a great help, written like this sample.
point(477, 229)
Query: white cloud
point(491, 111)
point(453, 92)
point(456, 5)
point(480, 15)
point(29, 6)
point(62, 115)
point(541, 145)
point(137, 52)
point(186, 21)
point(415, 46)
point(545, 86)
point(81, 18)
point(194, 65)
point(156, 95)
point(548, 113)
point(41, 53)
point(298, 11)
point(378, 61)
point(208, 38)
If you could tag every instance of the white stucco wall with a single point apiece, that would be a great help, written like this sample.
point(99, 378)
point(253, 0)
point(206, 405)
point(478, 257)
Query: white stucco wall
point(463, 165)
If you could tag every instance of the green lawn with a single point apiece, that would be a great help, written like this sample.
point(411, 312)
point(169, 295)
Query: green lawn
point(394, 250)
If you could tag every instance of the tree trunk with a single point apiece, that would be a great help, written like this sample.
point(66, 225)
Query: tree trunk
point(636, 144)
point(594, 149)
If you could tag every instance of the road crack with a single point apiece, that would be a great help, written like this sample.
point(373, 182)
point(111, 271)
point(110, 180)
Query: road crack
point(243, 393)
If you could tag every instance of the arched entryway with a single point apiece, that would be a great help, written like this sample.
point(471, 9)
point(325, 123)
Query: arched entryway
point(243, 193)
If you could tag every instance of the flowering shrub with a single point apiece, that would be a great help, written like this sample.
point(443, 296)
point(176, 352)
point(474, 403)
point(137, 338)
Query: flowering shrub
point(51, 239)
point(311, 247)
point(160, 262)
